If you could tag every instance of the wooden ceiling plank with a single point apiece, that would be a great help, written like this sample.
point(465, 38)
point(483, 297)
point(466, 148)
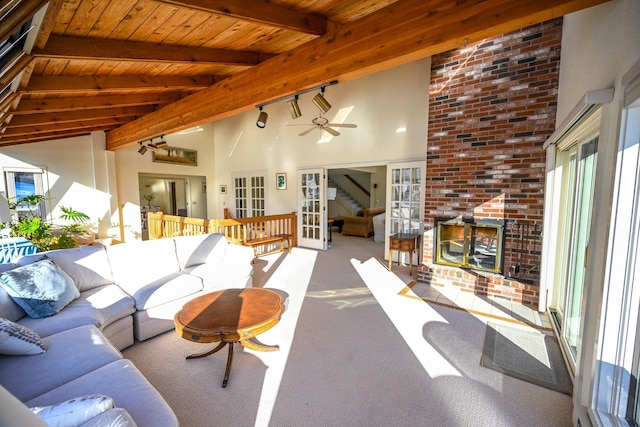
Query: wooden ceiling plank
point(113, 13)
point(52, 105)
point(62, 84)
point(104, 49)
point(86, 16)
point(259, 11)
point(402, 32)
point(135, 17)
point(18, 16)
point(32, 120)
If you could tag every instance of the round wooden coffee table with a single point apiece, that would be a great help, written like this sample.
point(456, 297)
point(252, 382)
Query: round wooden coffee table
point(230, 316)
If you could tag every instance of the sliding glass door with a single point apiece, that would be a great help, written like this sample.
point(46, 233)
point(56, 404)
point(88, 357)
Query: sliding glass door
point(585, 179)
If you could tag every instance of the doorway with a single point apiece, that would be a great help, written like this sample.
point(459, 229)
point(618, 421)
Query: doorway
point(182, 195)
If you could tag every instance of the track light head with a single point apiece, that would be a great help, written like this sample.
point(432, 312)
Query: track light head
point(322, 104)
point(262, 119)
point(162, 144)
point(142, 149)
point(294, 109)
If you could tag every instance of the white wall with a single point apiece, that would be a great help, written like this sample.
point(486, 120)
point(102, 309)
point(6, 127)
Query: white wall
point(129, 164)
point(77, 175)
point(599, 45)
point(379, 104)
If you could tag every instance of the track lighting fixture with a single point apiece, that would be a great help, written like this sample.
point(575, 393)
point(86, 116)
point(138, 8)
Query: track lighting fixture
point(142, 149)
point(319, 101)
point(262, 119)
point(294, 109)
point(162, 144)
point(292, 103)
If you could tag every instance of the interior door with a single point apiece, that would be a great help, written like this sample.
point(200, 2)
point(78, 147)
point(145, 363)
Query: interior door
point(312, 212)
point(405, 204)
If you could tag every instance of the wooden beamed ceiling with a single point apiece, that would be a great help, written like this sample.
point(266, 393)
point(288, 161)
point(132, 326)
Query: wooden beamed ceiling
point(140, 68)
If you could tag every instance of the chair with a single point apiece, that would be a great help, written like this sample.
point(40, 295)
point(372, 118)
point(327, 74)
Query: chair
point(361, 224)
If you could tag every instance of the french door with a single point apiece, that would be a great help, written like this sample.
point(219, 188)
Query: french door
point(405, 204)
point(312, 213)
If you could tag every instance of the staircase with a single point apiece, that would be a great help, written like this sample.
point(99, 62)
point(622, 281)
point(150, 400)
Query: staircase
point(344, 199)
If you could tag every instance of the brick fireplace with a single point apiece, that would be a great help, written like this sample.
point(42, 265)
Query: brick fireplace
point(492, 105)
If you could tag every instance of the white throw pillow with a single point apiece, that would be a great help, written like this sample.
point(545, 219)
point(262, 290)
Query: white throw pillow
point(17, 340)
point(74, 412)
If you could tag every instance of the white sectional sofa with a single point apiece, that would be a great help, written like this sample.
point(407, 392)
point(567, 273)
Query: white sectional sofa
point(126, 292)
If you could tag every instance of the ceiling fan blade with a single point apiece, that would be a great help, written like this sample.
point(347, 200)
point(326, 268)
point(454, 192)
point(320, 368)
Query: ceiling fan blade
point(331, 131)
point(342, 125)
point(306, 131)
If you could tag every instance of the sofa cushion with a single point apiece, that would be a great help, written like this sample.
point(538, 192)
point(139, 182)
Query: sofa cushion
point(74, 412)
point(99, 306)
point(129, 389)
point(168, 288)
point(8, 307)
point(41, 288)
point(69, 355)
point(137, 264)
point(19, 340)
point(200, 249)
point(88, 266)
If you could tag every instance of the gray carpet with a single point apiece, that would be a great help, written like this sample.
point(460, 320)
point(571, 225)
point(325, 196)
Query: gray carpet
point(352, 352)
point(528, 355)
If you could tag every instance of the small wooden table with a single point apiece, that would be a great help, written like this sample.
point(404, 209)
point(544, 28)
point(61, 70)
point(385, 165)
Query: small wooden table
point(403, 242)
point(230, 316)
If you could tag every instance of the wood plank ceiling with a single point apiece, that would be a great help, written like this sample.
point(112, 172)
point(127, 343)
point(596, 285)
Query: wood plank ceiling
point(140, 68)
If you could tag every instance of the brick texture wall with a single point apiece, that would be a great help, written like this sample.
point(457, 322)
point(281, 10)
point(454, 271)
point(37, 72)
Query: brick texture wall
point(492, 105)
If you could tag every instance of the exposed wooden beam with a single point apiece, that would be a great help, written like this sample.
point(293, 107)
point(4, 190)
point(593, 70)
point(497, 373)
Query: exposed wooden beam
point(62, 84)
point(32, 120)
point(99, 123)
point(399, 33)
point(18, 15)
point(260, 11)
point(19, 62)
point(109, 50)
point(7, 100)
point(46, 137)
point(48, 22)
point(52, 105)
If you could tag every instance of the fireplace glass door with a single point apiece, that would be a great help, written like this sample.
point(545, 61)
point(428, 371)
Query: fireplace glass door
point(476, 246)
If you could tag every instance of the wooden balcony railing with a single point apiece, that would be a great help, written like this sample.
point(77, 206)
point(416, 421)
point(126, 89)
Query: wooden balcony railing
point(265, 234)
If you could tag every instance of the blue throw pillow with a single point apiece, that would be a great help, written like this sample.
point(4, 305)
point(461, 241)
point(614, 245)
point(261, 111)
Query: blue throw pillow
point(42, 289)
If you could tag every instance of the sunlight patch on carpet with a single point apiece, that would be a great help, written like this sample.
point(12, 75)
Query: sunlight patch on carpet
point(408, 316)
point(293, 277)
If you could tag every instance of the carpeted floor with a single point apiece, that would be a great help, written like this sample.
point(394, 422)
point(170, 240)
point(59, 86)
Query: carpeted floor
point(352, 352)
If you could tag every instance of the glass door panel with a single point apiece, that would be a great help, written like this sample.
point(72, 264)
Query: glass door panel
point(581, 227)
point(312, 221)
point(405, 202)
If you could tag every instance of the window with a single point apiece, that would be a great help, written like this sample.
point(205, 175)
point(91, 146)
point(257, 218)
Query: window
point(249, 194)
point(23, 183)
point(616, 392)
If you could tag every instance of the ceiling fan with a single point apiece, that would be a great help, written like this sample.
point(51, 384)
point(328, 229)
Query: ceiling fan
point(322, 123)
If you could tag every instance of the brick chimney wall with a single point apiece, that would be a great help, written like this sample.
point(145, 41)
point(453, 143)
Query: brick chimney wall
point(492, 105)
